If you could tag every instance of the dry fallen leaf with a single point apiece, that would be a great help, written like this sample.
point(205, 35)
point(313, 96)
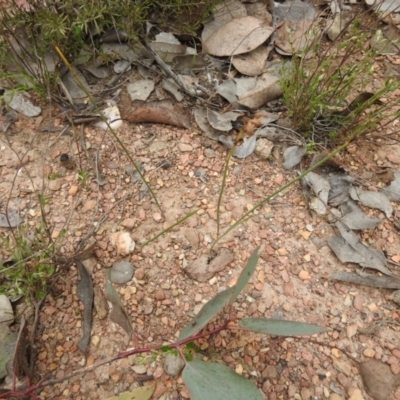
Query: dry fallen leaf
point(378, 379)
point(238, 36)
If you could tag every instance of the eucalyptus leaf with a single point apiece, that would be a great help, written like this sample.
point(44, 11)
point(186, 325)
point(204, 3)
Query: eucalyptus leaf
point(206, 314)
point(279, 327)
point(217, 382)
point(86, 295)
point(117, 314)
point(140, 393)
point(245, 275)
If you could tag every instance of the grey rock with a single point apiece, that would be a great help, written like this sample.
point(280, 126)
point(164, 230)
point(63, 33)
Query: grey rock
point(173, 364)
point(209, 153)
point(263, 148)
point(121, 272)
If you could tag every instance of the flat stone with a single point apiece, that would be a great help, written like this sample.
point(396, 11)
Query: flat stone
point(55, 185)
point(121, 272)
point(185, 147)
point(140, 369)
point(89, 205)
point(73, 190)
point(128, 223)
point(209, 153)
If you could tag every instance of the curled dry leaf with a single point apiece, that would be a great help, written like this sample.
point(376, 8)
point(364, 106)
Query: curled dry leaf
point(238, 36)
point(222, 122)
point(200, 116)
point(319, 185)
point(159, 112)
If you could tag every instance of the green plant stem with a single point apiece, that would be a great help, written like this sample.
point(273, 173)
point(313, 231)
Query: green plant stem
point(221, 192)
point(249, 213)
point(104, 119)
point(184, 218)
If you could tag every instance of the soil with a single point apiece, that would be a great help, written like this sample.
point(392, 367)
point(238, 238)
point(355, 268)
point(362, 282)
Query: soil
point(185, 171)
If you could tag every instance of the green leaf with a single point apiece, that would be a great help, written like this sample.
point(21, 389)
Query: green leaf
point(245, 275)
point(165, 349)
point(217, 382)
point(140, 393)
point(279, 327)
point(206, 314)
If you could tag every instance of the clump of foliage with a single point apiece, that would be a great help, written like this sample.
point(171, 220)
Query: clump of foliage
point(325, 94)
point(30, 32)
point(27, 271)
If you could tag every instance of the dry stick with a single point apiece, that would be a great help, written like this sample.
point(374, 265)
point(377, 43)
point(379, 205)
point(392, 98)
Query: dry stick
point(221, 192)
point(167, 70)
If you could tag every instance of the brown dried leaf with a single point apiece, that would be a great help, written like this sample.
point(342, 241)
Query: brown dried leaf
point(238, 36)
point(378, 379)
point(159, 112)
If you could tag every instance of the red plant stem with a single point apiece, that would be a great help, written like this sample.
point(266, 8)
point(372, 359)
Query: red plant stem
point(177, 345)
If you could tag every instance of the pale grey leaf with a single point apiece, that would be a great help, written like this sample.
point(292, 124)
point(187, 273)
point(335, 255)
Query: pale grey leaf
point(222, 122)
point(359, 254)
point(293, 155)
point(227, 90)
point(244, 85)
point(319, 185)
point(372, 199)
point(354, 218)
point(246, 148)
point(141, 89)
point(200, 116)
